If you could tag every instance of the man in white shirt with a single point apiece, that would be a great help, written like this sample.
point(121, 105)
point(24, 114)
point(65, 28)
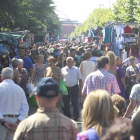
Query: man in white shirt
point(71, 76)
point(13, 105)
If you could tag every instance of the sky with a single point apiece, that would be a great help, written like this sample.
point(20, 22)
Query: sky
point(79, 9)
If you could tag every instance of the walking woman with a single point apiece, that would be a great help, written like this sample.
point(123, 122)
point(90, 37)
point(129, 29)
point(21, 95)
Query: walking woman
point(87, 66)
point(112, 58)
point(39, 69)
point(132, 73)
point(61, 60)
point(54, 72)
point(98, 115)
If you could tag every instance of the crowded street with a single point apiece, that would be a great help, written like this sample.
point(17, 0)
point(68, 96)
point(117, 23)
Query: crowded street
point(67, 79)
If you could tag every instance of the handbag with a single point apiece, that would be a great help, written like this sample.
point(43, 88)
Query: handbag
point(62, 87)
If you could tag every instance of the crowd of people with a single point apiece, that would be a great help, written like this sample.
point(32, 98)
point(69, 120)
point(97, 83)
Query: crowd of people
point(107, 89)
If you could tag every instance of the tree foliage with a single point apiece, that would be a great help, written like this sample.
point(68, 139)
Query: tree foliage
point(28, 14)
point(122, 11)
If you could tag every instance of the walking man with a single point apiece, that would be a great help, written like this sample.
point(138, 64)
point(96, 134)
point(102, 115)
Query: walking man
point(13, 105)
point(72, 76)
point(48, 123)
point(101, 79)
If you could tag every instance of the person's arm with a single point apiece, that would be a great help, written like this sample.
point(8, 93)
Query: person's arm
point(123, 81)
point(23, 113)
point(81, 70)
point(80, 86)
point(32, 71)
point(18, 78)
point(130, 108)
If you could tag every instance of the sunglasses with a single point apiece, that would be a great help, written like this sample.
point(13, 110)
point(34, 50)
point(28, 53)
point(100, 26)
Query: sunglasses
point(132, 59)
point(64, 55)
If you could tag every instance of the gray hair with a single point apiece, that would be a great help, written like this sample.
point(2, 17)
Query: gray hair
point(20, 61)
point(71, 58)
point(7, 73)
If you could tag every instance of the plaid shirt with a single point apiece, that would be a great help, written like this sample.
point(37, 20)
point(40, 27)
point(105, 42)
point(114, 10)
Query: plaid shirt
point(101, 79)
point(46, 124)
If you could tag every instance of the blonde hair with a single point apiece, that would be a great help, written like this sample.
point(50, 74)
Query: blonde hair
point(112, 58)
point(40, 57)
point(98, 111)
point(15, 62)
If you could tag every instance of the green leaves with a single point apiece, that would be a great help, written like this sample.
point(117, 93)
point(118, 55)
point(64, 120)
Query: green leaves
point(28, 14)
point(122, 11)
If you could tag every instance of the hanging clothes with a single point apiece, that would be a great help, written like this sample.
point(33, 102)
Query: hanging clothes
point(107, 35)
point(119, 30)
point(127, 29)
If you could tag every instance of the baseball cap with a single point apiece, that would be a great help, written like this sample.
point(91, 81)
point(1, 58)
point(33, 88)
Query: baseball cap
point(45, 85)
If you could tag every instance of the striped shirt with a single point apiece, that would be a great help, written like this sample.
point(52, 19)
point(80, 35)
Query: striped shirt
point(101, 79)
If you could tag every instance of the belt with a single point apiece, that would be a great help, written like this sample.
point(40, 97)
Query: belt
point(11, 116)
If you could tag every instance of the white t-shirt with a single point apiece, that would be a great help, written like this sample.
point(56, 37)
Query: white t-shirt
point(127, 62)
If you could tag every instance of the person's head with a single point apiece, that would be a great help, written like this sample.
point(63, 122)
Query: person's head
point(40, 49)
point(34, 53)
point(98, 111)
point(22, 51)
point(72, 52)
point(118, 60)
point(51, 61)
point(132, 60)
point(5, 61)
point(78, 52)
point(40, 58)
point(119, 102)
point(15, 62)
point(120, 130)
point(61, 57)
point(7, 73)
point(87, 55)
point(34, 46)
point(94, 53)
point(112, 58)
point(47, 93)
point(103, 63)
point(20, 64)
point(69, 61)
point(136, 126)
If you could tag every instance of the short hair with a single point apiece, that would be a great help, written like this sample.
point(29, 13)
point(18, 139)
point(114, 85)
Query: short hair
point(98, 111)
point(72, 50)
point(40, 56)
point(20, 61)
point(136, 126)
point(87, 55)
point(52, 59)
point(94, 53)
point(119, 102)
point(102, 61)
point(120, 130)
point(23, 47)
point(15, 62)
point(71, 58)
point(7, 73)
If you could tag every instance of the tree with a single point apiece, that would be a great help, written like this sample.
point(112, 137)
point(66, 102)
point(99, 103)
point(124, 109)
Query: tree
point(28, 14)
point(126, 10)
point(99, 17)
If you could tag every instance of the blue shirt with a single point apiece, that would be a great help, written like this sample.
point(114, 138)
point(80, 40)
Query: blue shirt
point(27, 62)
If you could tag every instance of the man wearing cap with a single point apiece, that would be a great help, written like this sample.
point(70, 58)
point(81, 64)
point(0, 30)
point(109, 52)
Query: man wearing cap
point(47, 123)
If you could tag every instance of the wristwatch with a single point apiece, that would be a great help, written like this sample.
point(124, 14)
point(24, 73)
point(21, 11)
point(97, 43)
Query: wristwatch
point(2, 123)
